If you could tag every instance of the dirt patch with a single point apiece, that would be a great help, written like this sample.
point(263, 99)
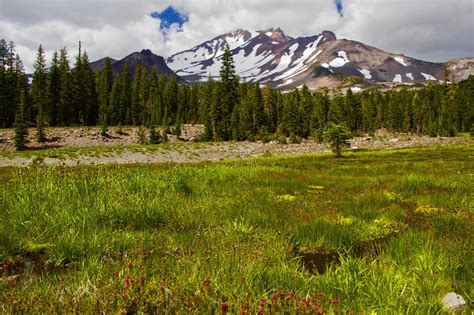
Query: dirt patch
point(81, 137)
point(29, 268)
point(178, 151)
point(320, 261)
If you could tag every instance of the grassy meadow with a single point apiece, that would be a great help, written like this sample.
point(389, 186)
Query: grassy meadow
point(380, 231)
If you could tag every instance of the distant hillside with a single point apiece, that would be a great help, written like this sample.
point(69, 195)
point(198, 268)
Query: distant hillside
point(144, 58)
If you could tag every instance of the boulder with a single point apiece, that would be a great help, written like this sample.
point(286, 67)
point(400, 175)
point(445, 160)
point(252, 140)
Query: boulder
point(453, 301)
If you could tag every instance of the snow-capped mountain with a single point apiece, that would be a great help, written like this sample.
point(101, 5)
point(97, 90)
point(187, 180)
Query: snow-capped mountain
point(286, 62)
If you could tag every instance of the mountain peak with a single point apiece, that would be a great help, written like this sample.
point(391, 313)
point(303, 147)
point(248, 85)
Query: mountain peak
point(146, 52)
point(329, 35)
point(276, 35)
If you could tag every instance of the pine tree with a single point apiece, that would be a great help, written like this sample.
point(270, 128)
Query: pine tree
point(21, 131)
point(103, 127)
point(154, 136)
point(90, 106)
point(136, 97)
point(353, 110)
point(369, 112)
point(78, 83)
point(39, 92)
point(65, 111)
point(270, 107)
point(258, 117)
point(170, 101)
point(11, 92)
point(245, 130)
point(336, 113)
point(104, 88)
point(115, 111)
point(54, 92)
point(3, 86)
point(319, 119)
point(125, 96)
point(447, 112)
point(337, 137)
point(206, 106)
point(11, 77)
point(227, 98)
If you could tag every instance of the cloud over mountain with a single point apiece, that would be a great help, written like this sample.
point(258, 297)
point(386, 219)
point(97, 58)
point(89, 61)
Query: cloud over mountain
point(435, 30)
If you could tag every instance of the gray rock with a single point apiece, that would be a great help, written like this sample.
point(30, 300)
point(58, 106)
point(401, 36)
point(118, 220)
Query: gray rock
point(394, 140)
point(453, 301)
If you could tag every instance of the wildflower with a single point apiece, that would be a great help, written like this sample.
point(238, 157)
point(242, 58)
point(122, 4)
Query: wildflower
point(263, 302)
point(224, 307)
point(142, 280)
point(5, 267)
point(100, 282)
point(116, 274)
point(206, 281)
point(130, 266)
point(287, 198)
point(315, 308)
point(333, 301)
point(128, 281)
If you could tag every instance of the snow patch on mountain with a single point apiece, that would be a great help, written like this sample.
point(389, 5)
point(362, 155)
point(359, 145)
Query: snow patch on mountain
point(428, 76)
point(410, 76)
point(398, 78)
point(367, 74)
point(340, 61)
point(286, 83)
point(400, 60)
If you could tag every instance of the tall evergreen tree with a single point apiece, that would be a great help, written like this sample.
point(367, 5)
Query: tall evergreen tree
point(90, 108)
point(115, 111)
point(54, 92)
point(270, 107)
point(21, 131)
point(65, 110)
point(39, 91)
point(78, 86)
point(104, 88)
point(136, 102)
point(125, 96)
point(170, 101)
point(227, 99)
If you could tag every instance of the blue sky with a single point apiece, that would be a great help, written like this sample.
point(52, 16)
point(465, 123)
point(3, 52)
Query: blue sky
point(170, 16)
point(339, 7)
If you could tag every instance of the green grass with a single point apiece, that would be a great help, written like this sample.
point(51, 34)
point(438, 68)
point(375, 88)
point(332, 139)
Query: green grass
point(188, 238)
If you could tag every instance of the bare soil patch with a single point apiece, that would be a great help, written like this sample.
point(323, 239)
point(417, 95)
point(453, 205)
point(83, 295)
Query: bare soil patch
point(92, 147)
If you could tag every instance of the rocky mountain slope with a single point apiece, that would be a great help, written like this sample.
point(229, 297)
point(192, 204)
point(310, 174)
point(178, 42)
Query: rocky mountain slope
point(145, 58)
point(320, 60)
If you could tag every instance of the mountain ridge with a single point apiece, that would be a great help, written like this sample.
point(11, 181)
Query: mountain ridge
point(145, 58)
point(318, 60)
point(290, 62)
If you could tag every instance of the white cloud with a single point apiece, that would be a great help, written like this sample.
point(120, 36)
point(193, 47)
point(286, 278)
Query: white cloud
point(433, 30)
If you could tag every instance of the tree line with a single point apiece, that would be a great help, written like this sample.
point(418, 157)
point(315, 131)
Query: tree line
point(61, 95)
